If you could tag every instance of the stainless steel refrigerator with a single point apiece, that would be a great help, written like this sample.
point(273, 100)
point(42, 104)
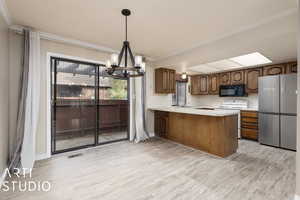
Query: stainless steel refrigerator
point(277, 110)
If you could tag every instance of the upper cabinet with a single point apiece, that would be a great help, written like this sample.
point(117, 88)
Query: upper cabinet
point(203, 84)
point(199, 85)
point(237, 77)
point(165, 80)
point(224, 78)
point(209, 84)
point(291, 67)
point(274, 69)
point(251, 79)
point(213, 84)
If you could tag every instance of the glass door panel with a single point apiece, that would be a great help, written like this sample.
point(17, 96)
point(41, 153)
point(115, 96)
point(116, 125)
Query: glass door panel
point(74, 105)
point(112, 108)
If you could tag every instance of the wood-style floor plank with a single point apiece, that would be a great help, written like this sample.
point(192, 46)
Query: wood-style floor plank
point(163, 170)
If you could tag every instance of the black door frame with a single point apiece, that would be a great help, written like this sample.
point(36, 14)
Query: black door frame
point(53, 63)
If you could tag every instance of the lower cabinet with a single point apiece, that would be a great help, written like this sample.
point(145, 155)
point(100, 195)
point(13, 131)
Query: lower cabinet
point(249, 125)
point(161, 123)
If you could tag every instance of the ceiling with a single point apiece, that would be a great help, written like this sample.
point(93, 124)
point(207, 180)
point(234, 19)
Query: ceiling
point(174, 33)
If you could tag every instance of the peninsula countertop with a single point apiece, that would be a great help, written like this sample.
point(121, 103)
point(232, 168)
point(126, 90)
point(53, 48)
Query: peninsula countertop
point(195, 111)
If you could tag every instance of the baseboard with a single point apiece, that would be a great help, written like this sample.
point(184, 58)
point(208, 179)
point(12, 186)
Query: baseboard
point(297, 197)
point(42, 156)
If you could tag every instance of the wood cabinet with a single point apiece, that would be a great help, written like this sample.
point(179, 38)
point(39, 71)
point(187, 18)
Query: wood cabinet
point(237, 77)
point(215, 135)
point(203, 84)
point(274, 69)
point(213, 84)
point(291, 67)
point(161, 123)
point(249, 125)
point(209, 84)
point(199, 85)
point(165, 80)
point(251, 79)
point(224, 78)
point(194, 85)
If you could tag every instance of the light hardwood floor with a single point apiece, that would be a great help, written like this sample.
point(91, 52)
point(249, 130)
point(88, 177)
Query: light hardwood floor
point(162, 170)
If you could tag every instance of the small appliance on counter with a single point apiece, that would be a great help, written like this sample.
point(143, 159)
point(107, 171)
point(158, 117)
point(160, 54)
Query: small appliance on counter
point(277, 99)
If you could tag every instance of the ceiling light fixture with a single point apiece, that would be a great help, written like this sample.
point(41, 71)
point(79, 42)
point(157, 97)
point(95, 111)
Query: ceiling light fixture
point(118, 68)
point(184, 76)
point(251, 59)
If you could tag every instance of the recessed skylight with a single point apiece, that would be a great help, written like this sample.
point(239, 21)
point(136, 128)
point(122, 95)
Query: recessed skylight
point(224, 64)
point(203, 69)
point(252, 59)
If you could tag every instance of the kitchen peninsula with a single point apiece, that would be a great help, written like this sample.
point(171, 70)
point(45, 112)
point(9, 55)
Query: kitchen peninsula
point(212, 131)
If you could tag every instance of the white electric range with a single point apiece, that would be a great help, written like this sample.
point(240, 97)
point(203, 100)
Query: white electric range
point(235, 105)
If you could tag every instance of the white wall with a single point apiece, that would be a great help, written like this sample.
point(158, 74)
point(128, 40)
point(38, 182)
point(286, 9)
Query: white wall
point(298, 113)
point(152, 98)
point(4, 92)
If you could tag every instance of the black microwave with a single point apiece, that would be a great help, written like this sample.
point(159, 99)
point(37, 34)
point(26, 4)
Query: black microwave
point(232, 90)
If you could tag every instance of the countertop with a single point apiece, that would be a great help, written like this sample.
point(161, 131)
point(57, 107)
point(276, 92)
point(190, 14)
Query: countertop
point(195, 111)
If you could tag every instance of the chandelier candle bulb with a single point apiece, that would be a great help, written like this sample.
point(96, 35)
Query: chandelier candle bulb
point(143, 66)
point(108, 64)
point(114, 59)
point(138, 60)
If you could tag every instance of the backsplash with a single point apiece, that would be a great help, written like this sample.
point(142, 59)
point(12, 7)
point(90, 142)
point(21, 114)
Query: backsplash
point(215, 100)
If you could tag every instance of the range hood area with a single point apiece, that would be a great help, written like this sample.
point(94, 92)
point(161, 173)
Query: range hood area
point(232, 90)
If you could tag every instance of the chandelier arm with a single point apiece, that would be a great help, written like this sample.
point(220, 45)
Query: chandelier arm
point(121, 55)
point(131, 56)
point(126, 52)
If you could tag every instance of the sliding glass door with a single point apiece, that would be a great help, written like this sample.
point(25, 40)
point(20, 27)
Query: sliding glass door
point(113, 109)
point(88, 106)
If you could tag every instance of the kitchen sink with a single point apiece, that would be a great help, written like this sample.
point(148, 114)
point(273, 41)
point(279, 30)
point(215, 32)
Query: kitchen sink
point(205, 108)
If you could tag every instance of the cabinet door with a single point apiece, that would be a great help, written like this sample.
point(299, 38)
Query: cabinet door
point(194, 85)
point(161, 123)
point(224, 78)
point(213, 84)
point(203, 81)
point(176, 129)
point(274, 70)
point(161, 80)
point(165, 84)
point(291, 68)
point(251, 79)
point(172, 82)
point(237, 77)
point(165, 80)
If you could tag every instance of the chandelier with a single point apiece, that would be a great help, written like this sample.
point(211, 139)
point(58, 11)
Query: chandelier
point(117, 67)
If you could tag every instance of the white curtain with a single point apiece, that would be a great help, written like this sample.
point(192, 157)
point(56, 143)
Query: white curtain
point(138, 132)
point(32, 102)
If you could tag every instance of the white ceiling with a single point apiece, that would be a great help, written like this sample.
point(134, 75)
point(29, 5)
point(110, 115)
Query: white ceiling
point(194, 31)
